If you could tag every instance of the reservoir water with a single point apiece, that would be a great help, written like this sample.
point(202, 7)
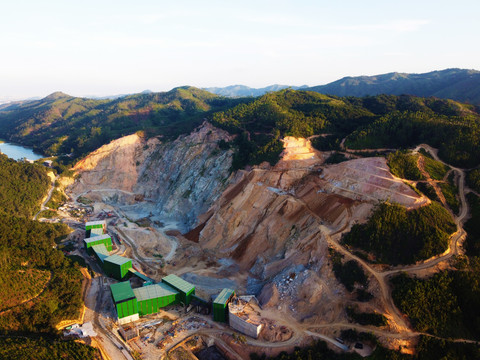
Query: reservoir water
point(17, 152)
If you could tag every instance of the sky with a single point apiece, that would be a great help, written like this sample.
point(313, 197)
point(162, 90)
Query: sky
point(105, 47)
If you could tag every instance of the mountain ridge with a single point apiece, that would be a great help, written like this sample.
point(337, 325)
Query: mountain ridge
point(456, 84)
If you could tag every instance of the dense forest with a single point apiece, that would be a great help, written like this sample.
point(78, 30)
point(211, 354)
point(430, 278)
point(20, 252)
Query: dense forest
point(21, 348)
point(65, 125)
point(62, 125)
point(22, 187)
point(396, 235)
point(39, 286)
point(447, 304)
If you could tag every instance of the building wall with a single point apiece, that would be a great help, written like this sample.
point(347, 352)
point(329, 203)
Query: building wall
point(98, 226)
point(244, 327)
point(124, 268)
point(183, 297)
point(107, 242)
point(219, 312)
point(152, 306)
point(127, 308)
point(128, 319)
point(116, 271)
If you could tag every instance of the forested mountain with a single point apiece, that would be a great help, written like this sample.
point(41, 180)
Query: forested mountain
point(62, 124)
point(243, 91)
point(457, 84)
point(39, 286)
point(370, 122)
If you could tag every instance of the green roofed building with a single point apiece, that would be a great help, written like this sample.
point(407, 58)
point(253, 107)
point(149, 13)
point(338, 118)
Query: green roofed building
point(95, 232)
point(220, 305)
point(100, 252)
point(117, 266)
point(125, 302)
point(101, 224)
point(146, 280)
point(98, 240)
point(153, 297)
point(185, 289)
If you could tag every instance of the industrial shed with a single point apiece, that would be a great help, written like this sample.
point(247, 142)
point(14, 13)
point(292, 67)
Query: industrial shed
point(185, 289)
point(100, 252)
point(220, 305)
point(98, 240)
point(125, 302)
point(117, 266)
point(95, 232)
point(143, 278)
point(153, 297)
point(101, 224)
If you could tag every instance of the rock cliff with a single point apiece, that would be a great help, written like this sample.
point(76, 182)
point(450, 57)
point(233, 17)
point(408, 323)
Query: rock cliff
point(167, 181)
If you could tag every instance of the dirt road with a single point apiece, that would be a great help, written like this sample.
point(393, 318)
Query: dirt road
point(49, 196)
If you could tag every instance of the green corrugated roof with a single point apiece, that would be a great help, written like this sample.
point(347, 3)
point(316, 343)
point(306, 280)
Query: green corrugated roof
point(97, 222)
point(223, 296)
point(117, 259)
point(153, 292)
point(101, 251)
point(97, 238)
point(122, 291)
point(96, 232)
point(178, 283)
point(140, 275)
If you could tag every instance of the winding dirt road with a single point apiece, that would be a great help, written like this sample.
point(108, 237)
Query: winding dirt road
point(49, 196)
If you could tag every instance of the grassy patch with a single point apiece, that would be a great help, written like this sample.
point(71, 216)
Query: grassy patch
point(397, 236)
point(83, 200)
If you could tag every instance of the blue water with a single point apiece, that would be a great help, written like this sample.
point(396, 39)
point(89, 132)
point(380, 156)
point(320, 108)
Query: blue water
point(18, 152)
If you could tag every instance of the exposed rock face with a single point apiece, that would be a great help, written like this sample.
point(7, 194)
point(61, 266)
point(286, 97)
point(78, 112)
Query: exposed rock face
point(174, 181)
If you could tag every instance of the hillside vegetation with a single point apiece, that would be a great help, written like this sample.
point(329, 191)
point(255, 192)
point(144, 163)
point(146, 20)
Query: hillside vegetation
point(62, 124)
point(457, 84)
point(447, 304)
point(32, 269)
point(22, 187)
point(398, 236)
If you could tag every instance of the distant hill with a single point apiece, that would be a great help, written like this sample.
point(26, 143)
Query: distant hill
point(63, 124)
point(456, 84)
point(244, 91)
